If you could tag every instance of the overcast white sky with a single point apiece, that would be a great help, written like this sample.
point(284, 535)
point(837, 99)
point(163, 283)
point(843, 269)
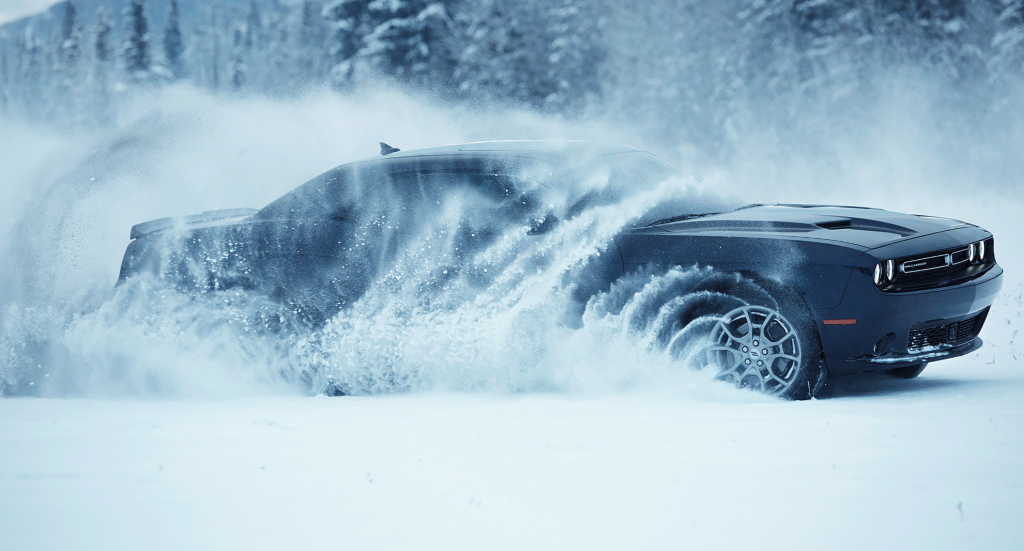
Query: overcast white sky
point(13, 9)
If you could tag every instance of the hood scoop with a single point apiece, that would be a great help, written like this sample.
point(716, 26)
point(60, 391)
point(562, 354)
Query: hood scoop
point(736, 225)
point(862, 224)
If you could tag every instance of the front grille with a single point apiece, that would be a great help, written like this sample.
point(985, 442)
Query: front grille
point(949, 333)
point(965, 328)
point(938, 269)
point(933, 336)
point(934, 263)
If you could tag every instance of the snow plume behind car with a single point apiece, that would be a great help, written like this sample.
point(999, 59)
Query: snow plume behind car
point(525, 312)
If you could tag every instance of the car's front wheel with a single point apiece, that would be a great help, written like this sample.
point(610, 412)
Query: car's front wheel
point(755, 332)
point(765, 349)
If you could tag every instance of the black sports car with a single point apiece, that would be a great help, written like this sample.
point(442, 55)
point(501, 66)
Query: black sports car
point(789, 293)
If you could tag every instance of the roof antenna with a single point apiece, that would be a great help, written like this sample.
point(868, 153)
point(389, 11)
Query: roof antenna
point(386, 149)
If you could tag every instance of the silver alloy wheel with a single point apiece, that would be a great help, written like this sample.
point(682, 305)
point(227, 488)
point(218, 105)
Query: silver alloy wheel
point(756, 347)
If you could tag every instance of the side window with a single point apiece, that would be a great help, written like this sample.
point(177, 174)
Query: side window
point(434, 185)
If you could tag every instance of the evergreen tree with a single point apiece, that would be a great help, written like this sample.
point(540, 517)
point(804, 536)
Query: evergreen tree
point(5, 79)
point(702, 65)
point(412, 41)
point(279, 63)
point(253, 27)
point(30, 72)
point(214, 40)
point(277, 24)
point(541, 54)
point(66, 85)
point(574, 56)
point(135, 48)
point(237, 62)
point(1008, 43)
point(174, 46)
point(70, 36)
point(348, 23)
point(948, 46)
point(101, 33)
point(311, 42)
point(32, 60)
point(102, 55)
point(506, 54)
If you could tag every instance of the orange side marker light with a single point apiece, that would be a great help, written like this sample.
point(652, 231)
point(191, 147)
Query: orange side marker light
point(839, 322)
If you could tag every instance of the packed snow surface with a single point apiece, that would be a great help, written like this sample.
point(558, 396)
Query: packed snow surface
point(932, 463)
point(184, 435)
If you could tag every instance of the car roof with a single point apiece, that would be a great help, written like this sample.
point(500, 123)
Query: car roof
point(547, 150)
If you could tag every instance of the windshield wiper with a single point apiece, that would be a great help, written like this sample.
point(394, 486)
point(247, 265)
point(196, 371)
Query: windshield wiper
point(680, 218)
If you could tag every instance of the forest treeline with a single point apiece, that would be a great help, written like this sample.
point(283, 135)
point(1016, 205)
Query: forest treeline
point(701, 65)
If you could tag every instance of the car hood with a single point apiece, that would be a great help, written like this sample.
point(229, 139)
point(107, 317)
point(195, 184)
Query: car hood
point(863, 227)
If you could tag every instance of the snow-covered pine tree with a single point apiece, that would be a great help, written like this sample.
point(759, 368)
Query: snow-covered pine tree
point(413, 41)
point(174, 44)
point(539, 53)
point(783, 53)
point(30, 73)
point(348, 22)
point(135, 48)
point(1008, 44)
point(277, 24)
point(506, 52)
point(947, 44)
point(102, 57)
point(253, 27)
point(5, 78)
point(213, 45)
point(71, 36)
point(101, 36)
point(237, 61)
point(279, 63)
point(798, 50)
point(311, 42)
point(574, 56)
point(255, 41)
point(67, 101)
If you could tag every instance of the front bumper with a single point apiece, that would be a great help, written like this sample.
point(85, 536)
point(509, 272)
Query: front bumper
point(880, 337)
point(891, 360)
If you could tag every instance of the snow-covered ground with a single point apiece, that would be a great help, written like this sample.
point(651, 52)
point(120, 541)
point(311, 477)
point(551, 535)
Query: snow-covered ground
point(933, 463)
point(670, 462)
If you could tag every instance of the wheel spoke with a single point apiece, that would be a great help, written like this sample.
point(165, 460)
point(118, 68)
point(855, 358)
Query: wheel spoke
point(750, 322)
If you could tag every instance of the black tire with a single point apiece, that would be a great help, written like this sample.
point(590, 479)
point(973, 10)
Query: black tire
point(784, 312)
point(908, 372)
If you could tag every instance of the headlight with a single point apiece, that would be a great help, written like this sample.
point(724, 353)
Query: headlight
point(972, 252)
point(885, 272)
point(982, 253)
